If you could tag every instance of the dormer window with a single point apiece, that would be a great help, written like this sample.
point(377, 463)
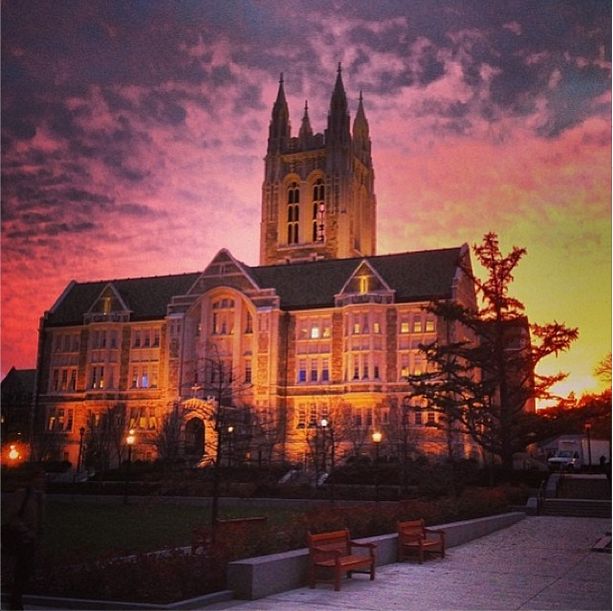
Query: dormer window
point(106, 306)
point(363, 284)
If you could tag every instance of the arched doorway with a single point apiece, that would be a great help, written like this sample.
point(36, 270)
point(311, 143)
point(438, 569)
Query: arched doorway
point(194, 438)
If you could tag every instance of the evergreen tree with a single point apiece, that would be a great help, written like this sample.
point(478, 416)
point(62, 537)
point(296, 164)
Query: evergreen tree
point(481, 373)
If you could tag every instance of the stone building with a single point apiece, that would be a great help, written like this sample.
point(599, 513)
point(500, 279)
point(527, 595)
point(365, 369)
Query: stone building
point(323, 330)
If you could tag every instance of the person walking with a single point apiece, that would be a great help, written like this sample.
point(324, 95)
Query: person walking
point(22, 530)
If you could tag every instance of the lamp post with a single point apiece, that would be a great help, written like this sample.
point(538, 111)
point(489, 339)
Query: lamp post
point(130, 439)
point(588, 430)
point(230, 439)
point(406, 409)
point(327, 426)
point(78, 469)
point(377, 436)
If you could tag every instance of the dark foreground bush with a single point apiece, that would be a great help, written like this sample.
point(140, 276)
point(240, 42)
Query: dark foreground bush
point(176, 575)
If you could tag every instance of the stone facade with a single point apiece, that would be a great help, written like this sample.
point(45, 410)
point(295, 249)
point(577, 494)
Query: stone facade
point(329, 337)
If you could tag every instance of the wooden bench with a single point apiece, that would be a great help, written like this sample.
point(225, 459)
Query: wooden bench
point(332, 552)
point(202, 537)
point(414, 537)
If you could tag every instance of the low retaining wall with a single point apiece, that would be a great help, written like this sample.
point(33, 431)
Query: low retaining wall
point(254, 578)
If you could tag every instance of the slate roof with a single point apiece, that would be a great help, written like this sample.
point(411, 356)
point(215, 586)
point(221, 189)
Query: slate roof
point(19, 380)
point(147, 298)
point(415, 276)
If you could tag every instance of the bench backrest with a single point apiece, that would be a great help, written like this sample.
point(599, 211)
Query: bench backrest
point(411, 529)
point(330, 541)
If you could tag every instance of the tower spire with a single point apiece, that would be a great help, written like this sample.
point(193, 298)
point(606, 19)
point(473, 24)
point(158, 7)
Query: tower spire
point(338, 117)
point(279, 130)
point(361, 136)
point(306, 132)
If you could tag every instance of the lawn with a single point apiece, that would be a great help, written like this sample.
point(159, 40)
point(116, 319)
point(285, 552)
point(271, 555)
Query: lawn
point(77, 531)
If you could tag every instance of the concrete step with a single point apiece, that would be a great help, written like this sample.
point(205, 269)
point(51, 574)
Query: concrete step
point(577, 508)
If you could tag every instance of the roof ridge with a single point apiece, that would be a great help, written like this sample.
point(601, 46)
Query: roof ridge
point(109, 281)
point(361, 258)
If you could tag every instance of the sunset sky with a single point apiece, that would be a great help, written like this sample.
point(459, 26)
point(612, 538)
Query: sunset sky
point(133, 137)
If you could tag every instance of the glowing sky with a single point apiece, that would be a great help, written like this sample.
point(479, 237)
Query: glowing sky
point(133, 136)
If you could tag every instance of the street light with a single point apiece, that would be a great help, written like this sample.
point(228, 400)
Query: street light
point(326, 426)
point(13, 452)
point(130, 439)
point(588, 430)
point(230, 438)
point(377, 436)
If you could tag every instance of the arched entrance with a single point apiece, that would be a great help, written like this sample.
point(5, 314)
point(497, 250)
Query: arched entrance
point(194, 438)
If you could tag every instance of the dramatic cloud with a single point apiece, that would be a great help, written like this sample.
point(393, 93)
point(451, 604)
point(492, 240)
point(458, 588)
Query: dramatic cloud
point(133, 135)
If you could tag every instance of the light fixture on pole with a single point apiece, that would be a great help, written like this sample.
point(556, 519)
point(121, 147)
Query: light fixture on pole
point(230, 448)
point(130, 440)
point(377, 437)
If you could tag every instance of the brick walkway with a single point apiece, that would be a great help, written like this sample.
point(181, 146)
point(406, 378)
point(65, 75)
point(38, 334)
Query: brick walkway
point(538, 563)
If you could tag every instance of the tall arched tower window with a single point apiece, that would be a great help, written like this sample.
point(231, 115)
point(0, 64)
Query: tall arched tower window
point(319, 211)
point(293, 213)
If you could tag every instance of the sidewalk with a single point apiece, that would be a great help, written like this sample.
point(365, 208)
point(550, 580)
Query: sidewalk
point(539, 563)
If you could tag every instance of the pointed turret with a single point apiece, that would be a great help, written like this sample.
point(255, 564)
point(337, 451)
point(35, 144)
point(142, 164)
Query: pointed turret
point(361, 136)
point(279, 130)
point(305, 134)
point(338, 117)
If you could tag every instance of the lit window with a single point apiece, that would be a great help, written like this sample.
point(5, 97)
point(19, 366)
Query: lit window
point(376, 327)
point(55, 384)
point(301, 423)
point(106, 305)
point(404, 366)
point(404, 326)
point(417, 325)
point(312, 415)
point(326, 332)
point(356, 328)
point(314, 332)
point(363, 284)
point(429, 325)
point(325, 371)
point(302, 371)
point(73, 380)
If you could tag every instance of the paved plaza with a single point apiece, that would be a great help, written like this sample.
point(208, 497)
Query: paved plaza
point(539, 563)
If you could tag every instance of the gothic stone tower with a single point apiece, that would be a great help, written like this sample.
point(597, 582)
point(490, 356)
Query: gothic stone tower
point(318, 199)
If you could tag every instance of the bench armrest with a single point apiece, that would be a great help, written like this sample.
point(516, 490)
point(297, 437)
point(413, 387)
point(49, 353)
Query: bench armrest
point(435, 532)
point(356, 544)
point(320, 553)
point(370, 546)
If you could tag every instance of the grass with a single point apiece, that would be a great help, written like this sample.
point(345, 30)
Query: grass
point(78, 531)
